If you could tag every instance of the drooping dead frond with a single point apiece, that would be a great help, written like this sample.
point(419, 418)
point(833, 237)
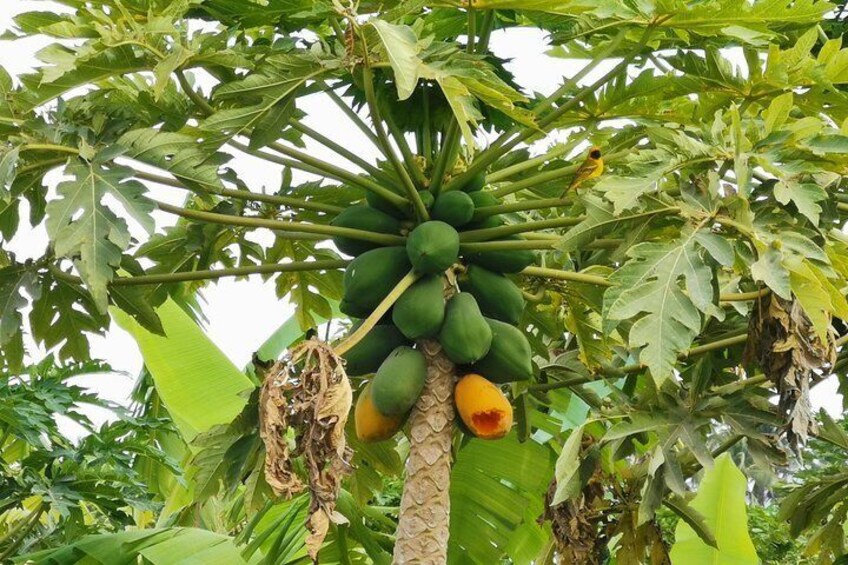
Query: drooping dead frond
point(305, 403)
point(576, 524)
point(783, 343)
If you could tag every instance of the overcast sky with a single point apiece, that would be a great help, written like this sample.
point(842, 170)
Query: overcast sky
point(242, 314)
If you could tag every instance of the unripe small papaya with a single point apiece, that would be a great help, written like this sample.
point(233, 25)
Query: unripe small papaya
point(371, 425)
point(465, 335)
point(510, 357)
point(427, 198)
point(378, 202)
point(432, 247)
point(362, 218)
point(399, 381)
point(454, 208)
point(420, 311)
point(483, 200)
point(367, 355)
point(507, 261)
point(475, 183)
point(483, 408)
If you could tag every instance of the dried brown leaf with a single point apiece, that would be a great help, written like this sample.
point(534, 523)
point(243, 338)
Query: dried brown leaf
point(783, 343)
point(311, 395)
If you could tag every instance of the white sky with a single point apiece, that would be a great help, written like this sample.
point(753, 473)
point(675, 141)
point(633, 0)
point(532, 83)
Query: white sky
point(242, 314)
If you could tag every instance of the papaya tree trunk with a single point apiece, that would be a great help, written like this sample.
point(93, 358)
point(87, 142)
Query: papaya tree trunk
point(422, 534)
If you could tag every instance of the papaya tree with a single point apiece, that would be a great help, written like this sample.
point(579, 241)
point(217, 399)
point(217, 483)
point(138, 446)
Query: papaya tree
point(556, 308)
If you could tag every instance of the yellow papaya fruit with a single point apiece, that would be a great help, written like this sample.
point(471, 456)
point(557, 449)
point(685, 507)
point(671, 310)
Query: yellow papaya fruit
point(371, 425)
point(484, 409)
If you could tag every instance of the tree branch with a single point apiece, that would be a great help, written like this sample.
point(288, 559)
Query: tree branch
point(388, 151)
point(301, 160)
point(286, 226)
point(406, 152)
point(20, 531)
point(621, 371)
point(523, 206)
point(50, 147)
point(288, 201)
point(510, 245)
point(349, 112)
point(371, 321)
point(196, 98)
point(342, 152)
point(558, 274)
point(486, 234)
point(571, 276)
point(447, 152)
point(214, 274)
point(506, 172)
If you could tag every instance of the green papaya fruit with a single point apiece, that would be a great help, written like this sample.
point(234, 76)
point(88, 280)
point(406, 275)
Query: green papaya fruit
point(420, 310)
point(427, 197)
point(454, 208)
point(367, 355)
point(432, 247)
point(362, 217)
point(497, 296)
point(495, 221)
point(399, 381)
point(370, 277)
point(509, 358)
point(482, 200)
point(378, 202)
point(465, 336)
point(354, 309)
point(475, 183)
point(507, 261)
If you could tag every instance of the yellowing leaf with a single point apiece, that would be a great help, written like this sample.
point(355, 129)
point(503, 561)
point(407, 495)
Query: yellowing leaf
point(777, 112)
point(402, 49)
point(721, 501)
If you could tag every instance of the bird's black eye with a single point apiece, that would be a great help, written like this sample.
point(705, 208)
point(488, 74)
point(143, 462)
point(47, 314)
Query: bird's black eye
point(595, 154)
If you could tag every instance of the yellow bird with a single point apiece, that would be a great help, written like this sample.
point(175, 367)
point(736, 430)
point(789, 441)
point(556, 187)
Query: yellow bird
point(591, 168)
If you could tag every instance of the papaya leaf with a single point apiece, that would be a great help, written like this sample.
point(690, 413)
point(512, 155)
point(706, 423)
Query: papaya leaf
point(567, 467)
point(402, 49)
point(63, 313)
point(721, 502)
point(178, 153)
point(496, 486)
point(82, 228)
point(271, 86)
point(649, 283)
point(199, 386)
point(14, 280)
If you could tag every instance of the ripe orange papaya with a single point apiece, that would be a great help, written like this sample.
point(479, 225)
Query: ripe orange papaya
point(370, 424)
point(483, 408)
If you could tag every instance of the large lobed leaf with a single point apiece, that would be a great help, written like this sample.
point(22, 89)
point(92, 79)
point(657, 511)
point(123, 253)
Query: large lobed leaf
point(81, 227)
point(199, 386)
point(721, 501)
point(496, 496)
point(174, 546)
point(648, 290)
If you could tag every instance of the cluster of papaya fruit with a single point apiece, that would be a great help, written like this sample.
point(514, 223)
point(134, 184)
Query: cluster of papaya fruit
point(476, 325)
